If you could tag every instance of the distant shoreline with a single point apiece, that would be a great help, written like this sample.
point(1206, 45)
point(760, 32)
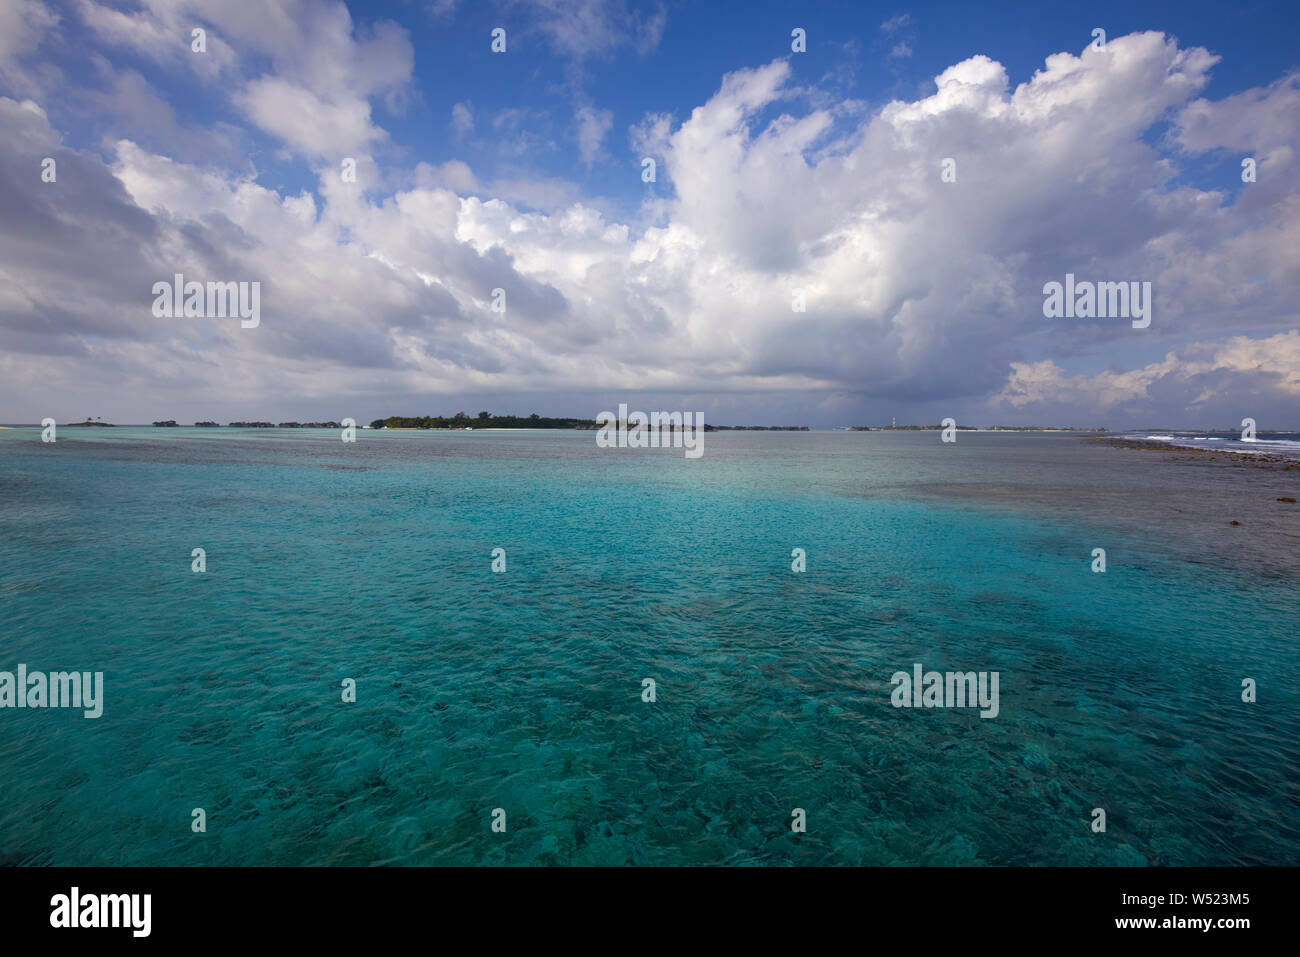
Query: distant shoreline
point(1119, 438)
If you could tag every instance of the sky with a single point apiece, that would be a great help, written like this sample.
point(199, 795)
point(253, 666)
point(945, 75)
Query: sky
point(853, 231)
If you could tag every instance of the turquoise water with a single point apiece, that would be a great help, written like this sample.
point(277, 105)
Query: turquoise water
point(522, 690)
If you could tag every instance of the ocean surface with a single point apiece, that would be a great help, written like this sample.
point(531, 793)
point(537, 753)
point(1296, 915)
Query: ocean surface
point(522, 690)
point(1282, 444)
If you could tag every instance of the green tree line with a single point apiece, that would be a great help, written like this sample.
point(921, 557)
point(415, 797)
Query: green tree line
point(484, 420)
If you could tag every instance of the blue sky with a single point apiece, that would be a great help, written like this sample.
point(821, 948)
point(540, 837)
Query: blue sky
point(776, 171)
point(698, 43)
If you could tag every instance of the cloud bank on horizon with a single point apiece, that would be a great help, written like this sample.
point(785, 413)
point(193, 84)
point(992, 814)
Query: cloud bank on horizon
point(921, 280)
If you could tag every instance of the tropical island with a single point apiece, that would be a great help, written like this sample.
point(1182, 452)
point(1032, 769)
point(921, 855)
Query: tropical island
point(1043, 428)
point(755, 428)
point(92, 420)
point(486, 420)
point(258, 425)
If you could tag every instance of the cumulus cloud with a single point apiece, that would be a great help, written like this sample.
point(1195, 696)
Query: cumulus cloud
point(325, 68)
point(918, 291)
point(24, 27)
point(1197, 374)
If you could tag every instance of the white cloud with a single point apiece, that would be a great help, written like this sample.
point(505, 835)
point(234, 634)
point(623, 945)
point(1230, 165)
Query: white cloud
point(585, 28)
point(916, 288)
point(311, 125)
point(24, 26)
point(462, 119)
point(163, 32)
point(1268, 364)
point(592, 125)
point(325, 68)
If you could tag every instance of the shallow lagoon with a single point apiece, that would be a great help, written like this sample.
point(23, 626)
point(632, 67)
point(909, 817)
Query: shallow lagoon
point(522, 690)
